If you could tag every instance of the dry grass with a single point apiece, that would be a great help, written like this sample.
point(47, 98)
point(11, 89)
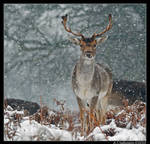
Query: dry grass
point(133, 115)
point(125, 117)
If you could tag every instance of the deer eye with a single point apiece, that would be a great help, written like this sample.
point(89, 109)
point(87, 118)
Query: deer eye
point(81, 45)
point(94, 45)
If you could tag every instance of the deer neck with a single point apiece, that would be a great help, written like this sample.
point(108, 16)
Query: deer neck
point(85, 70)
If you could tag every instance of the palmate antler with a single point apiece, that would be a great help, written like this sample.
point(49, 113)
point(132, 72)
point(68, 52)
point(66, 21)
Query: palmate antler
point(68, 29)
point(109, 26)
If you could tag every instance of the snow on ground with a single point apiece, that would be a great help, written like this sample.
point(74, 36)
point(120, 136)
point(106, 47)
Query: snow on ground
point(19, 127)
point(34, 131)
point(122, 134)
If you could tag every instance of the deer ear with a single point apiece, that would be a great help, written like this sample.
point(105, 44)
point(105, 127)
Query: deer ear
point(75, 40)
point(102, 39)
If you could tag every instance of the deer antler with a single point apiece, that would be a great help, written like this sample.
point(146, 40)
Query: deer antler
point(68, 29)
point(109, 26)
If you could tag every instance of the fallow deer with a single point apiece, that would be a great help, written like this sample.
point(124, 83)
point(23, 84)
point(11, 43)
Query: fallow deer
point(91, 81)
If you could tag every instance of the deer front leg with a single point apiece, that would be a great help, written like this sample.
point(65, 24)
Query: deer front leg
point(81, 108)
point(98, 110)
point(94, 117)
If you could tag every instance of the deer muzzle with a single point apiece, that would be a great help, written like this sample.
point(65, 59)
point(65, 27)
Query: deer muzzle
point(89, 54)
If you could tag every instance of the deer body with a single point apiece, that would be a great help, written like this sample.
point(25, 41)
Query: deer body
point(90, 79)
point(82, 79)
point(91, 82)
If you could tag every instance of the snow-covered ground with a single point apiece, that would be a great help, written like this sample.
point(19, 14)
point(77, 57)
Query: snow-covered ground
point(20, 127)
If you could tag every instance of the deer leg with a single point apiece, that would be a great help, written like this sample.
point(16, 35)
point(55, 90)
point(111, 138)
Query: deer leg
point(87, 128)
point(91, 119)
point(93, 112)
point(82, 121)
point(104, 103)
point(97, 117)
point(82, 117)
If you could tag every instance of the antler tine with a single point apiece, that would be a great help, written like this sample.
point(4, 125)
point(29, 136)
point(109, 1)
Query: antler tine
point(109, 26)
point(67, 28)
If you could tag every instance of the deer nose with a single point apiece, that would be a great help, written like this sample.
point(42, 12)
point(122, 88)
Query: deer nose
point(89, 55)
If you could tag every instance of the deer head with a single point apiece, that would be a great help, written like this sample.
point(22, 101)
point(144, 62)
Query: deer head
point(88, 45)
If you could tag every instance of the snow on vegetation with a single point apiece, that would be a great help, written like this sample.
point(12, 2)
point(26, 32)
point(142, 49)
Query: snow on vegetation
point(124, 123)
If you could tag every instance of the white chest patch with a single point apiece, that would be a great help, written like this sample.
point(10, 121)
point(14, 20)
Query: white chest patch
point(86, 93)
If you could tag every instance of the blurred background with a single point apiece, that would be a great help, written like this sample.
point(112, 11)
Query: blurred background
point(39, 58)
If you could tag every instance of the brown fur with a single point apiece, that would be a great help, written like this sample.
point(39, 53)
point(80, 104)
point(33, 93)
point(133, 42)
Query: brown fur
point(90, 46)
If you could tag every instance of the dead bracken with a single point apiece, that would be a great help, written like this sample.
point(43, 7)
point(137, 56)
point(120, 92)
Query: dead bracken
point(126, 117)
